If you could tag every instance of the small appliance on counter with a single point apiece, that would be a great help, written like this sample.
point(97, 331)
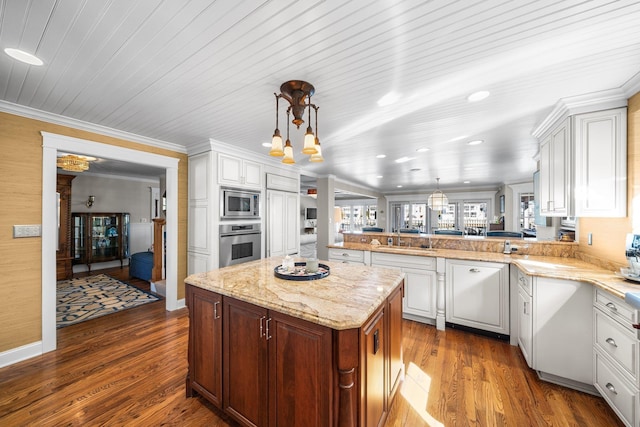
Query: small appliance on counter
point(632, 252)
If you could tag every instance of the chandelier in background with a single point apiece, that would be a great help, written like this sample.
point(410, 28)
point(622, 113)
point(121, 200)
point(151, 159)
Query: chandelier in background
point(438, 201)
point(298, 94)
point(73, 163)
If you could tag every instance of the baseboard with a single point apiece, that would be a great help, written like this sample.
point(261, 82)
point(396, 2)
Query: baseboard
point(566, 382)
point(19, 354)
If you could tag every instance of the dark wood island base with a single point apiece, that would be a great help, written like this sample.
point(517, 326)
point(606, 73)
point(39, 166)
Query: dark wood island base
point(261, 367)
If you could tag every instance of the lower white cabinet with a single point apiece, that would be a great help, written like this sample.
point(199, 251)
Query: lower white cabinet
point(562, 332)
point(420, 283)
point(477, 295)
point(347, 256)
point(525, 317)
point(616, 360)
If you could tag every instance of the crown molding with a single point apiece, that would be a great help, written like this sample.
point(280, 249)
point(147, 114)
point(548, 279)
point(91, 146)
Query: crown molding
point(632, 86)
point(32, 113)
point(603, 100)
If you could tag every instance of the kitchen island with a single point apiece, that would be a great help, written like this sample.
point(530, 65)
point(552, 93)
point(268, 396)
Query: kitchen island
point(268, 351)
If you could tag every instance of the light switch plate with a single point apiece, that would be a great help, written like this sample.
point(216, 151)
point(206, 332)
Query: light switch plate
point(33, 230)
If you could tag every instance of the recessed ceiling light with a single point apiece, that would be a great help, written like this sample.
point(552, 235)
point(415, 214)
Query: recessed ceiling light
point(422, 150)
point(478, 96)
point(23, 56)
point(466, 182)
point(266, 144)
point(381, 156)
point(379, 177)
point(404, 159)
point(475, 142)
point(399, 186)
point(390, 98)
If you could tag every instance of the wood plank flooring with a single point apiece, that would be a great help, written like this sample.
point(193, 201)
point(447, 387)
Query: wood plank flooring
point(129, 369)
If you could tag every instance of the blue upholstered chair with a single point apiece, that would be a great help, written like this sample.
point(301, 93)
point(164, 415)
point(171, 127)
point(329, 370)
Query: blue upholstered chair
point(496, 233)
point(377, 229)
point(141, 265)
point(410, 230)
point(449, 232)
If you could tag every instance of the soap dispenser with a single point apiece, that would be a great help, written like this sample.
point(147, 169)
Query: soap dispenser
point(507, 247)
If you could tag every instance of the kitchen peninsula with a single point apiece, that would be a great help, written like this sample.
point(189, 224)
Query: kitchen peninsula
point(268, 351)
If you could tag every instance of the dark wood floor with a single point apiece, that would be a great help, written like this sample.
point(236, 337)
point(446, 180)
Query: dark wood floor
point(129, 368)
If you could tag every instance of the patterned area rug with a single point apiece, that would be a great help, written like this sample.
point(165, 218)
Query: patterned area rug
point(94, 296)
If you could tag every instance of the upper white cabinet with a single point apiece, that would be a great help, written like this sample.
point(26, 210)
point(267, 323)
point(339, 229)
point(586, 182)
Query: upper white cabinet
point(283, 232)
point(601, 163)
point(583, 161)
point(556, 171)
point(237, 172)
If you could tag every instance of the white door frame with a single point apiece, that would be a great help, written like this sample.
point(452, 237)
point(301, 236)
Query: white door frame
point(51, 143)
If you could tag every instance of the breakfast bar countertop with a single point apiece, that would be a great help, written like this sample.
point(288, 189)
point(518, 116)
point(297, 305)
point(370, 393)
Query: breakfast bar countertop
point(343, 300)
point(541, 266)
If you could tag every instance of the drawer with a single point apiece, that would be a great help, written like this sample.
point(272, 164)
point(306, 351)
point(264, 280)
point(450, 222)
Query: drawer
point(621, 396)
point(524, 281)
point(616, 308)
point(349, 255)
point(395, 260)
point(618, 342)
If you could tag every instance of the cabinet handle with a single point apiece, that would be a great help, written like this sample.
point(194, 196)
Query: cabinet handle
point(215, 310)
point(611, 341)
point(345, 254)
point(611, 388)
point(268, 336)
point(524, 311)
point(474, 270)
point(261, 327)
point(612, 306)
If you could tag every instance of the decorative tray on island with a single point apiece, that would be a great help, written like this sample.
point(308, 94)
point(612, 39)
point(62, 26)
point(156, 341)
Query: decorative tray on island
point(299, 272)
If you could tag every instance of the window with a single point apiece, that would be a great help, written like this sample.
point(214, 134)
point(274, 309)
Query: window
point(409, 215)
point(357, 215)
point(527, 211)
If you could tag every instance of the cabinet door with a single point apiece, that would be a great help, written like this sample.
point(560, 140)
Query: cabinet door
point(292, 225)
point(245, 391)
point(283, 219)
point(205, 351)
point(601, 163)
point(373, 371)
point(252, 173)
point(420, 293)
point(300, 361)
point(394, 318)
point(525, 325)
point(477, 295)
point(561, 169)
point(545, 176)
point(229, 170)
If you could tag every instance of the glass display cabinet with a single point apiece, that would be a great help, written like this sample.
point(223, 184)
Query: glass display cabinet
point(100, 237)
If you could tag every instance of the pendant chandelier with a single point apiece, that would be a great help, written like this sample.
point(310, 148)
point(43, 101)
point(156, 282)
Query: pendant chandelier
point(438, 201)
point(73, 163)
point(298, 95)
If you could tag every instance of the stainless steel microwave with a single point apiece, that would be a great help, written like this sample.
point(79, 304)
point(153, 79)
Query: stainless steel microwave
point(239, 204)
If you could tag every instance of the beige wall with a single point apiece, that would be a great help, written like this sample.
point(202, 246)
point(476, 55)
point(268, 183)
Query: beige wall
point(609, 233)
point(21, 196)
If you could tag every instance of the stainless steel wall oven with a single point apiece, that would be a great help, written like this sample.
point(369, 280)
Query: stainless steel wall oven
point(239, 243)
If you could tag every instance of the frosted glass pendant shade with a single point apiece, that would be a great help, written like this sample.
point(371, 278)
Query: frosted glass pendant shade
point(288, 153)
point(276, 145)
point(309, 142)
point(318, 156)
point(438, 201)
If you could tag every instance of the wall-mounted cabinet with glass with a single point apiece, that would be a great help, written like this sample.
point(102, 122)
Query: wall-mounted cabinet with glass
point(100, 237)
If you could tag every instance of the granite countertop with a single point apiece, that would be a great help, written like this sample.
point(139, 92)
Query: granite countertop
point(542, 266)
point(343, 300)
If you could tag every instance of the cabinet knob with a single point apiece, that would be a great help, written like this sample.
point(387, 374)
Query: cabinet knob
point(345, 254)
point(611, 341)
point(474, 270)
point(611, 388)
point(612, 306)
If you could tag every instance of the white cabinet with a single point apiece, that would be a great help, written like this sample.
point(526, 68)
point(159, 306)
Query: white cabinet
point(562, 332)
point(477, 295)
point(237, 172)
point(347, 256)
point(420, 283)
point(616, 356)
point(583, 165)
point(601, 163)
point(525, 317)
point(200, 250)
point(556, 171)
point(283, 219)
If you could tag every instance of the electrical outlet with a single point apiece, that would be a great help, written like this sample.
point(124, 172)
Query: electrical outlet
point(34, 230)
point(590, 239)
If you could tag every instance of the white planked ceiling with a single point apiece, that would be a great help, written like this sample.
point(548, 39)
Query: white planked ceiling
point(187, 71)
